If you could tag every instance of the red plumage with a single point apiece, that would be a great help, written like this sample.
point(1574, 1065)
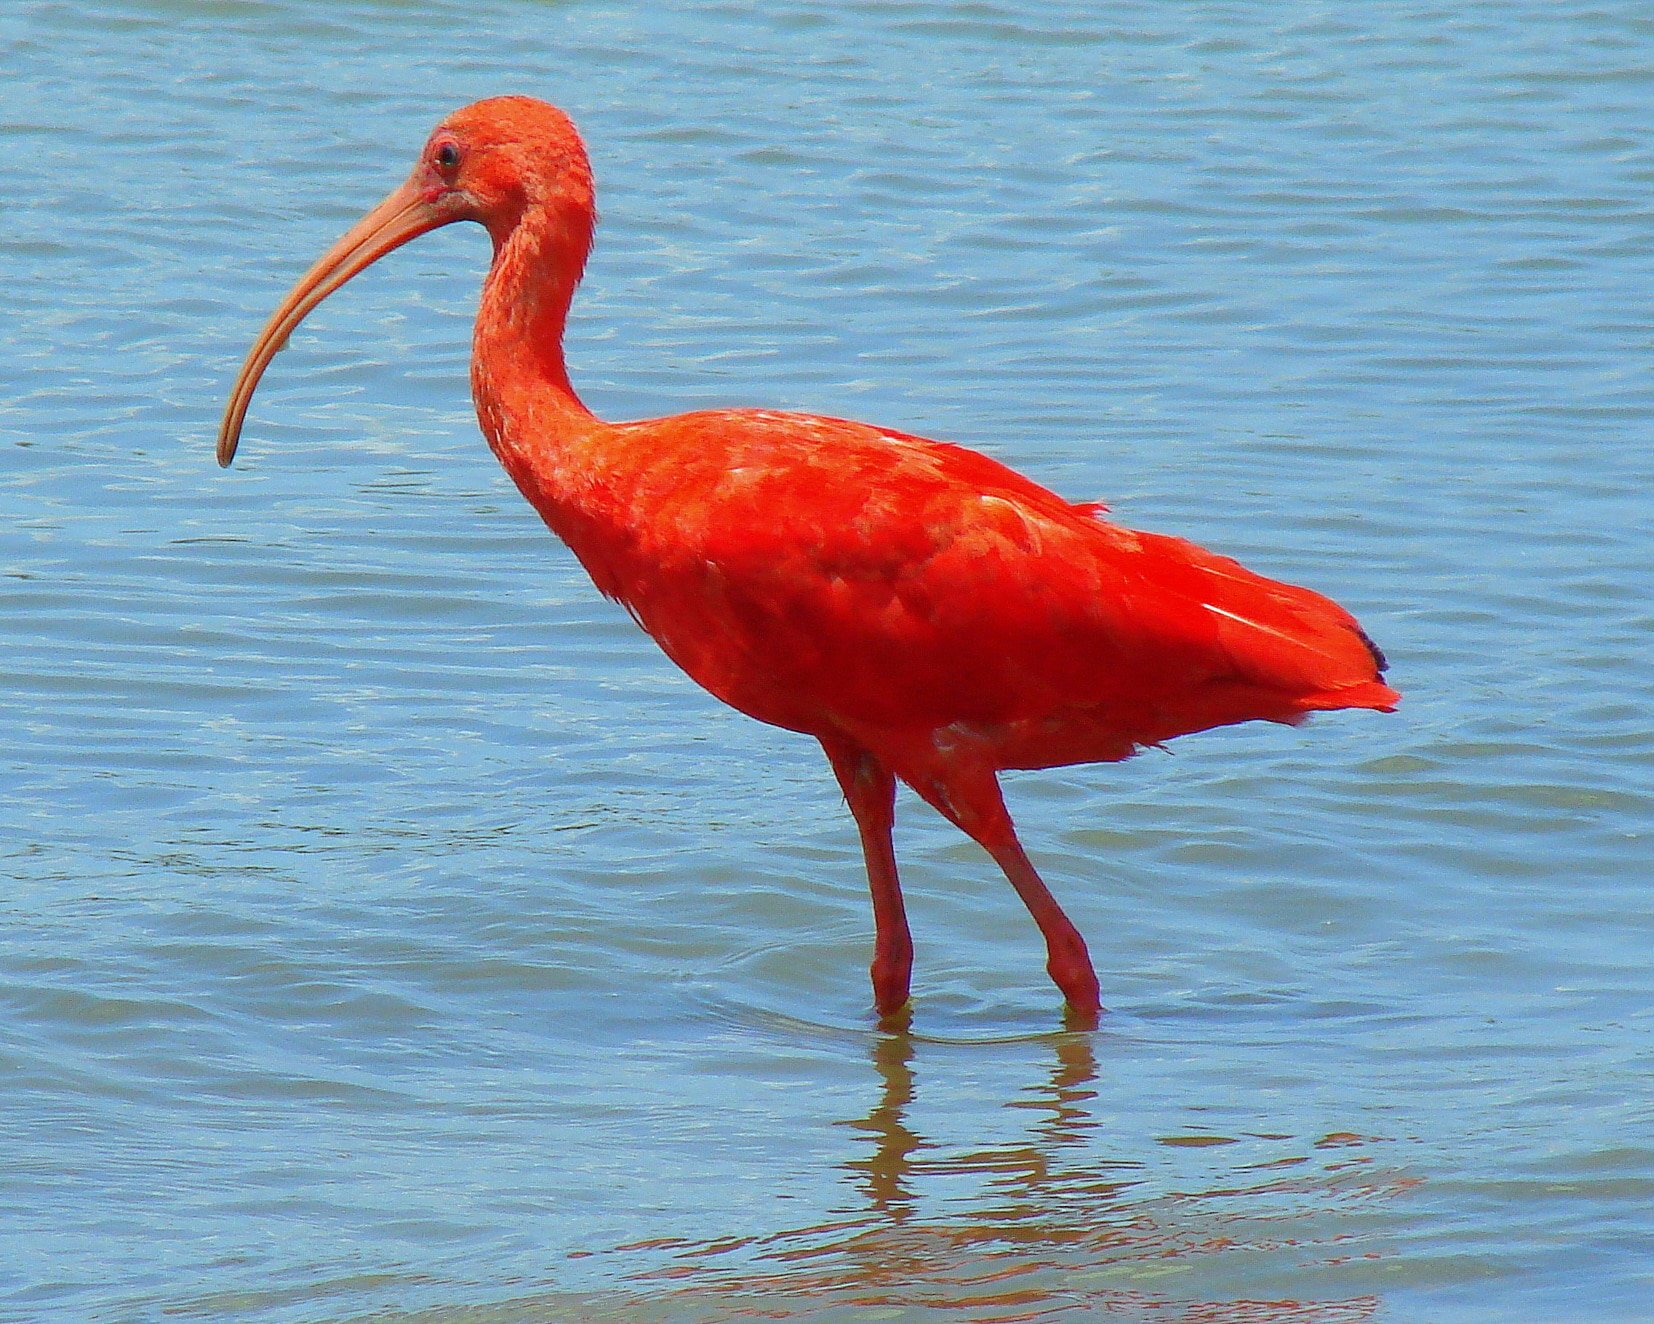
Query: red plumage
point(922, 610)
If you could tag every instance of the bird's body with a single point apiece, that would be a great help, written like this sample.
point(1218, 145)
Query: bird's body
point(837, 579)
point(922, 610)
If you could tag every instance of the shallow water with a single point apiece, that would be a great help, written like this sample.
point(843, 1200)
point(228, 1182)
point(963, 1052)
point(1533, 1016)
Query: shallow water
point(391, 933)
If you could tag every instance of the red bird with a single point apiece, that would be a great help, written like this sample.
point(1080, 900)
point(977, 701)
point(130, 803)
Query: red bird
point(923, 611)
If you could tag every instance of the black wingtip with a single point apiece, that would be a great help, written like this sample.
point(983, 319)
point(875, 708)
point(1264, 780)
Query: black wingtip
point(1379, 660)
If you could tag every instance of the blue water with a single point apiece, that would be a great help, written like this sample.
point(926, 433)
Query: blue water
point(391, 933)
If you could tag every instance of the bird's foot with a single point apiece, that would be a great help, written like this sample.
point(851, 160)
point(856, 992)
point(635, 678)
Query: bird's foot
point(1073, 974)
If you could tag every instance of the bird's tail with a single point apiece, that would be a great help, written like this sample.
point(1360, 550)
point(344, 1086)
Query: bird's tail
point(1278, 637)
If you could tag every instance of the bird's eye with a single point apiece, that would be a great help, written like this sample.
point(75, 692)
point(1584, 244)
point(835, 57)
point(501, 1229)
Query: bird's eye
point(447, 157)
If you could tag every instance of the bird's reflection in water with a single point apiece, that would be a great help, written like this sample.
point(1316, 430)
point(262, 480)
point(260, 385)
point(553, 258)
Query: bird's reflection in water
point(1046, 1228)
point(884, 1173)
point(889, 1172)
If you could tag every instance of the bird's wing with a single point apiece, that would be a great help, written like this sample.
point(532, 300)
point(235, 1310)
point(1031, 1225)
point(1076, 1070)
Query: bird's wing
point(904, 579)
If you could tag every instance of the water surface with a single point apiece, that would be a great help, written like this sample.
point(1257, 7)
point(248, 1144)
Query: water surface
point(390, 933)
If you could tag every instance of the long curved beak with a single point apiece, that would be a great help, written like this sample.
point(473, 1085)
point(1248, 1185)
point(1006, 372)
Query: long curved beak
point(404, 215)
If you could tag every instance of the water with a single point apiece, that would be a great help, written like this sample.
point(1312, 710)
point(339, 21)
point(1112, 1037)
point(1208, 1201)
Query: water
point(391, 934)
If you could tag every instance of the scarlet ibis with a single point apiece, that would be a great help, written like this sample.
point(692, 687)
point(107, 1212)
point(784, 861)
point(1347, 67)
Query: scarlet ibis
point(923, 611)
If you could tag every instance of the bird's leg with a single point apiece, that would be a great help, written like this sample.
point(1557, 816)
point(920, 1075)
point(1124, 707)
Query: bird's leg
point(976, 806)
point(870, 791)
point(1067, 960)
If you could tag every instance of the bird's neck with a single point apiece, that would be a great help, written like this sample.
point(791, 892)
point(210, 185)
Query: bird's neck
point(527, 408)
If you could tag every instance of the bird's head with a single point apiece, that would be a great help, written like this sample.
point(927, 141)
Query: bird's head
point(497, 162)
